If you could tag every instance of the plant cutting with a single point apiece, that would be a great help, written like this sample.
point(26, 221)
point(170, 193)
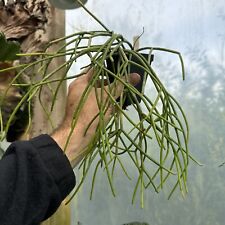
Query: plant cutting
point(156, 141)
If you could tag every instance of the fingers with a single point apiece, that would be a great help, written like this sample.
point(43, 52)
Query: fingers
point(117, 87)
point(134, 78)
point(82, 78)
point(89, 73)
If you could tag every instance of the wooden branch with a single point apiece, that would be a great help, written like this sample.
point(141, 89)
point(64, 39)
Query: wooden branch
point(26, 22)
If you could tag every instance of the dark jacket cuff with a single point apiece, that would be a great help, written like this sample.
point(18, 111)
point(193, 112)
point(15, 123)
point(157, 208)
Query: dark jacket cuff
point(56, 163)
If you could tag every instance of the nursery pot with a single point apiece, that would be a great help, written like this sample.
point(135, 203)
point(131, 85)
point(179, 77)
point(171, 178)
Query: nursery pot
point(131, 68)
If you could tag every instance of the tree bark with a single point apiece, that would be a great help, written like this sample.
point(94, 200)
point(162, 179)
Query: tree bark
point(34, 23)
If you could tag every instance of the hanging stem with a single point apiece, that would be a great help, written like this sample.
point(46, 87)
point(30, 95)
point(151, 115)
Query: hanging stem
point(92, 15)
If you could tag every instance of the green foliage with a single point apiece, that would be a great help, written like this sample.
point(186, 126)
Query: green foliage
point(160, 120)
point(9, 49)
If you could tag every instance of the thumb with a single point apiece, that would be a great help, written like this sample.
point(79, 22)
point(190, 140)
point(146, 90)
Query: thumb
point(117, 86)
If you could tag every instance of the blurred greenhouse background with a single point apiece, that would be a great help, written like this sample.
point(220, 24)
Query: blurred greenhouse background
point(196, 28)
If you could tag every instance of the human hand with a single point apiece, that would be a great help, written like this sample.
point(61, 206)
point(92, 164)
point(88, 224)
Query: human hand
point(88, 116)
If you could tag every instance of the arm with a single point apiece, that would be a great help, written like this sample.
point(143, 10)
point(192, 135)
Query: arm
point(81, 136)
point(35, 175)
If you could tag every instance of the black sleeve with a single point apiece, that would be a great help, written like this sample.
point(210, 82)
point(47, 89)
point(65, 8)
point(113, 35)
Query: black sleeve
point(35, 176)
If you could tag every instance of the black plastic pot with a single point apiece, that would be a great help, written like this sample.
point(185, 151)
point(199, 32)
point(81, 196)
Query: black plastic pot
point(131, 68)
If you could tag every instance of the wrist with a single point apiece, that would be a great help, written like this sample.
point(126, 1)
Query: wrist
point(73, 146)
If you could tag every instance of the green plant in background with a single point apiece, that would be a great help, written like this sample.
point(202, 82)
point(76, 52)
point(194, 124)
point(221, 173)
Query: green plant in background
point(9, 95)
point(9, 49)
point(160, 119)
